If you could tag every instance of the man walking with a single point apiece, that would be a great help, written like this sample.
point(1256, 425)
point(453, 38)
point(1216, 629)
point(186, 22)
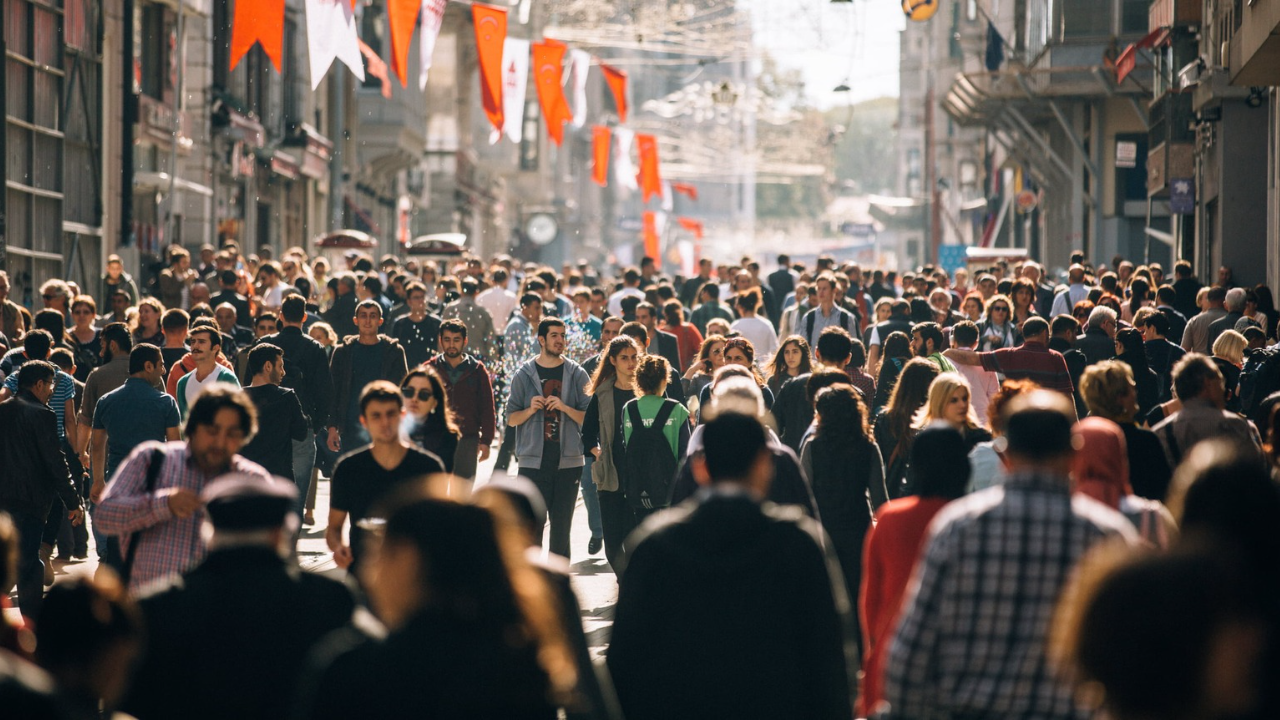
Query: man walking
point(927, 342)
point(1198, 384)
point(245, 618)
point(470, 398)
point(35, 471)
point(478, 321)
point(661, 343)
point(356, 362)
point(698, 574)
point(280, 419)
point(158, 509)
point(307, 374)
point(366, 475)
point(1033, 360)
point(546, 407)
point(1195, 338)
point(205, 345)
point(134, 413)
point(826, 314)
point(972, 641)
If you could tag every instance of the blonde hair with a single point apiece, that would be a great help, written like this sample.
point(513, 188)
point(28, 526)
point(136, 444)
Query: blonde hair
point(1102, 386)
point(940, 392)
point(1230, 346)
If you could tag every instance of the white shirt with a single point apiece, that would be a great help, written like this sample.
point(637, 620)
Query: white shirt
point(615, 300)
point(273, 296)
point(195, 385)
point(499, 302)
point(760, 332)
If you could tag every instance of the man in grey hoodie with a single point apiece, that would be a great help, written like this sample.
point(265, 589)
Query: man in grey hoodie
point(547, 403)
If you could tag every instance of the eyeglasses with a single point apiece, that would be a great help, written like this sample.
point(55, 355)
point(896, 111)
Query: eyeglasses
point(423, 395)
point(82, 312)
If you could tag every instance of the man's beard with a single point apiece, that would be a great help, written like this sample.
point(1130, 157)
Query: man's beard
point(452, 353)
point(923, 351)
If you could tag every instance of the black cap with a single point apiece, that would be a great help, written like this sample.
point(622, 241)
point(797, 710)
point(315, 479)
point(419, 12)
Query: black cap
point(245, 502)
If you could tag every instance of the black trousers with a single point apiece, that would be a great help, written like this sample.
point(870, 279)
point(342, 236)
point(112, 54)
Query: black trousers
point(505, 449)
point(58, 529)
point(618, 520)
point(559, 490)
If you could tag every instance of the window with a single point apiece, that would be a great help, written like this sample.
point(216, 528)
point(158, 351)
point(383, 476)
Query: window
point(152, 43)
point(971, 10)
point(373, 33)
point(1134, 17)
point(1086, 18)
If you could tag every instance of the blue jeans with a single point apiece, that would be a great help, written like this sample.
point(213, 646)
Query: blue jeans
point(304, 458)
point(30, 569)
point(590, 499)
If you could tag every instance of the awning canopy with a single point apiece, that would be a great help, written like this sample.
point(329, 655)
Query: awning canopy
point(159, 181)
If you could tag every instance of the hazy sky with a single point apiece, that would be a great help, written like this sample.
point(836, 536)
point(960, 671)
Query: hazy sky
point(832, 43)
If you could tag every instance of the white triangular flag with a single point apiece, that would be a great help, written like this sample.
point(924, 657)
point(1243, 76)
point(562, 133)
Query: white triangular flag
point(668, 202)
point(624, 169)
point(580, 64)
point(515, 82)
point(331, 35)
point(432, 18)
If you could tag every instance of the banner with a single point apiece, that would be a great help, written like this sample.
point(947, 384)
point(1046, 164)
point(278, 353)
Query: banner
point(650, 232)
point(580, 64)
point(693, 226)
point(402, 16)
point(515, 83)
point(690, 191)
point(432, 19)
point(331, 35)
point(600, 136)
point(617, 81)
point(650, 178)
point(625, 170)
point(258, 21)
point(491, 32)
point(548, 59)
point(377, 68)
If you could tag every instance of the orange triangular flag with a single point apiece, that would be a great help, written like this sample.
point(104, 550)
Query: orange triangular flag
point(650, 226)
point(258, 21)
point(491, 34)
point(617, 82)
point(548, 62)
point(600, 136)
point(686, 189)
point(402, 16)
point(693, 226)
point(649, 176)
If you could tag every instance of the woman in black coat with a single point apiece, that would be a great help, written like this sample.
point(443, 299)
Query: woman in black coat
point(1131, 350)
point(846, 472)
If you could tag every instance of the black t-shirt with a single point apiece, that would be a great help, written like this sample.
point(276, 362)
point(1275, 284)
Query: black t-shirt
point(551, 379)
point(359, 482)
point(417, 338)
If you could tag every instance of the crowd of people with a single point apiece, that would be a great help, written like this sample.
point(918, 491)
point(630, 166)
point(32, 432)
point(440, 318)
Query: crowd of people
point(825, 492)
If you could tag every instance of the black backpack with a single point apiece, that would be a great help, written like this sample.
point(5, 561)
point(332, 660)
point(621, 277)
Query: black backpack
point(648, 468)
point(1259, 377)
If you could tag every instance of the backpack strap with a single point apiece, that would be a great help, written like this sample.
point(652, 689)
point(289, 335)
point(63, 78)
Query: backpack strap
point(664, 414)
point(808, 330)
point(633, 412)
point(153, 473)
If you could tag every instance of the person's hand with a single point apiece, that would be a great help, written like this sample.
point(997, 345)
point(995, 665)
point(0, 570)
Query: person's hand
point(553, 403)
point(183, 503)
point(96, 490)
point(596, 452)
point(342, 556)
point(484, 453)
point(76, 517)
point(538, 403)
point(84, 458)
point(334, 442)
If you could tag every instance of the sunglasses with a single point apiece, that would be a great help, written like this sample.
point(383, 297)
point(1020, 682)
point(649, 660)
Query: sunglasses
point(999, 308)
point(423, 394)
point(50, 297)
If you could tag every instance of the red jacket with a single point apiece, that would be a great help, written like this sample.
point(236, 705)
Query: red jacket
point(889, 557)
point(470, 397)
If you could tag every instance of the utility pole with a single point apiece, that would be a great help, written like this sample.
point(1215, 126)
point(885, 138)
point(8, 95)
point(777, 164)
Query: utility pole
point(934, 237)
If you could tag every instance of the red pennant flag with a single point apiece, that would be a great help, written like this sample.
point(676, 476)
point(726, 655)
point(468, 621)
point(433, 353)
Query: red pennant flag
point(686, 189)
point(617, 82)
point(649, 177)
point(600, 137)
point(491, 34)
point(376, 68)
point(402, 16)
point(693, 226)
point(651, 235)
point(258, 21)
point(548, 61)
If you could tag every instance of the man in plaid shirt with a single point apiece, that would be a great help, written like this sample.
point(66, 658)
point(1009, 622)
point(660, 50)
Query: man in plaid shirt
point(165, 522)
point(971, 642)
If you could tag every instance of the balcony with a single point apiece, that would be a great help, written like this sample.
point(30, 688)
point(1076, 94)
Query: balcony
point(1255, 48)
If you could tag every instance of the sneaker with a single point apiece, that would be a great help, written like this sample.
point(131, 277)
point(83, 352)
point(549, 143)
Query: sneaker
point(595, 545)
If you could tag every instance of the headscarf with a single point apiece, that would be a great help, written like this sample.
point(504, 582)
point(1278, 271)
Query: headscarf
point(1101, 464)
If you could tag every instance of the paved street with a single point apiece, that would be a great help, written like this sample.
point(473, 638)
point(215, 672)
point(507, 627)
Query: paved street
point(593, 579)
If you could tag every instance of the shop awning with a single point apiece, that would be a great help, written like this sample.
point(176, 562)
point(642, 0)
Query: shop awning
point(160, 181)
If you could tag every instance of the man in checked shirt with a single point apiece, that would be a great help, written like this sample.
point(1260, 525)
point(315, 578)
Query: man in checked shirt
point(165, 522)
point(971, 639)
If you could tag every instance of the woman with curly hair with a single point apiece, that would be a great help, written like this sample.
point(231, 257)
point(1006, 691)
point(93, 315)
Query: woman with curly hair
point(710, 358)
point(791, 359)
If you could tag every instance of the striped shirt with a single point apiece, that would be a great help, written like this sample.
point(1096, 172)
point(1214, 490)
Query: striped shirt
point(1031, 361)
point(63, 390)
point(971, 641)
point(169, 545)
